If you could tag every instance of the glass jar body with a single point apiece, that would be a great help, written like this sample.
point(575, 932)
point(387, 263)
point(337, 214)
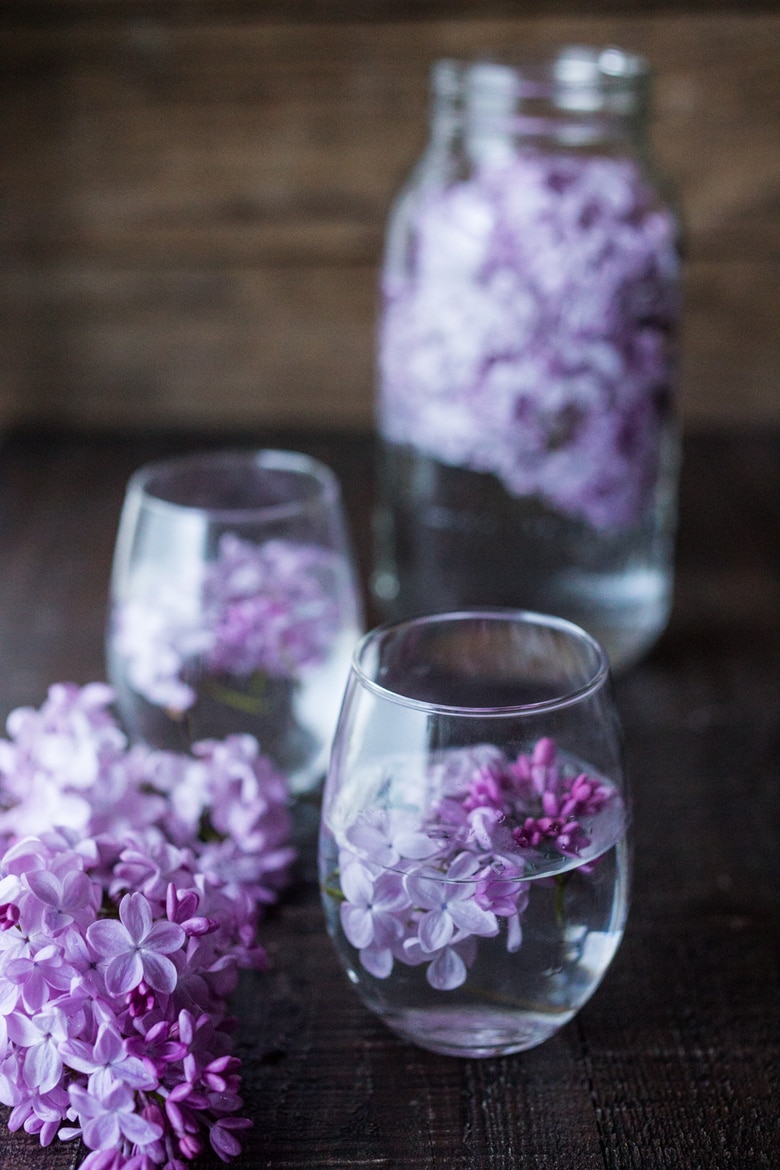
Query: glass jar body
point(526, 373)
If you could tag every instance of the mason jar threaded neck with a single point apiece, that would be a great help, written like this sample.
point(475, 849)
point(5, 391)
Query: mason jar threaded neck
point(578, 95)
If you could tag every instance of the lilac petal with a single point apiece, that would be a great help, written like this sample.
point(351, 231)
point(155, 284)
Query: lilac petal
point(472, 918)
point(514, 934)
point(357, 924)
point(108, 937)
point(136, 915)
point(436, 930)
point(124, 972)
point(9, 994)
point(424, 890)
point(101, 1132)
point(109, 1046)
point(378, 961)
point(165, 937)
point(76, 890)
point(415, 845)
point(159, 972)
point(137, 1073)
point(356, 884)
point(45, 886)
point(465, 865)
point(83, 1102)
point(372, 843)
point(412, 954)
point(447, 971)
point(389, 893)
point(387, 930)
point(42, 1067)
point(22, 1031)
point(79, 1055)
point(35, 992)
point(223, 1142)
point(138, 1130)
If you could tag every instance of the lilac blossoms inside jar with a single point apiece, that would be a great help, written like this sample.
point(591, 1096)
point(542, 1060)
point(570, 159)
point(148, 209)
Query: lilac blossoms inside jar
point(530, 302)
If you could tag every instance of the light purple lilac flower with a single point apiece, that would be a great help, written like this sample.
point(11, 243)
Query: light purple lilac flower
point(121, 941)
point(137, 947)
point(422, 887)
point(269, 608)
point(528, 334)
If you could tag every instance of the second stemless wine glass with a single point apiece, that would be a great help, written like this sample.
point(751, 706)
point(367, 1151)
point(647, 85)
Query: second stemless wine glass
point(234, 605)
point(474, 842)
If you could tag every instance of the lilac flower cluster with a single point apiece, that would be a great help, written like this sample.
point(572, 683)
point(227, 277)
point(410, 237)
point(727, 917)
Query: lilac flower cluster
point(131, 883)
point(269, 608)
point(422, 888)
point(529, 335)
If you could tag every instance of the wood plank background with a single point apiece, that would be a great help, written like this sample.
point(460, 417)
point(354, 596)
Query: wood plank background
point(193, 196)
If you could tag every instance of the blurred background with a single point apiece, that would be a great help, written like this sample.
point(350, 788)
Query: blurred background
point(194, 195)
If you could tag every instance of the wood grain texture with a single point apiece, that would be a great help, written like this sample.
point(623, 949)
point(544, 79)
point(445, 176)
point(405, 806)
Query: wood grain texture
point(328, 11)
point(194, 208)
point(675, 1061)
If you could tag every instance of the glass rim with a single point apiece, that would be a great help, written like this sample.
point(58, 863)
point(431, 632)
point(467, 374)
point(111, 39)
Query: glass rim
point(265, 458)
point(599, 676)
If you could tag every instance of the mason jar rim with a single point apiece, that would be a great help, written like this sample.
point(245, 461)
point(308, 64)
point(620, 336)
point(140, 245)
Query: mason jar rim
point(575, 66)
point(573, 80)
point(306, 468)
point(597, 678)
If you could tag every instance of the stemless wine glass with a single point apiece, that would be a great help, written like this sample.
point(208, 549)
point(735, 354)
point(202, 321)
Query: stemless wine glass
point(474, 841)
point(234, 605)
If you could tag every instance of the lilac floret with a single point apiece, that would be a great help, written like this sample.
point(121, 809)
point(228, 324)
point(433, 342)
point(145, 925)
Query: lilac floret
point(422, 886)
point(530, 336)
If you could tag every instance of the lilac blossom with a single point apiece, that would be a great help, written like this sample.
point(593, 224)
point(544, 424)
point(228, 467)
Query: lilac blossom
point(268, 609)
point(109, 1118)
point(123, 931)
point(448, 903)
point(137, 947)
point(422, 887)
point(528, 334)
point(109, 1060)
point(371, 915)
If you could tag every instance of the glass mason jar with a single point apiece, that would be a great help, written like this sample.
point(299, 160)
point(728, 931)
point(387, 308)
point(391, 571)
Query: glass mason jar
point(527, 354)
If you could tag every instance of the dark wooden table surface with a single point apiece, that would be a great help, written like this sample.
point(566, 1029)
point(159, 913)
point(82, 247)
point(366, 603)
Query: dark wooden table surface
point(675, 1063)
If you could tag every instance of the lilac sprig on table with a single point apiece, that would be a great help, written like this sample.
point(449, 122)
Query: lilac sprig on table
point(266, 609)
point(531, 337)
point(422, 886)
point(131, 886)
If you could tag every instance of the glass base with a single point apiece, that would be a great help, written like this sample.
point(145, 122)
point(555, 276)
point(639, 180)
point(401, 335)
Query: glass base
point(475, 1032)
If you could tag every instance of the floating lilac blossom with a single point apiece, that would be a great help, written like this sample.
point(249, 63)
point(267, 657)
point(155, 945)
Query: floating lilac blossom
point(267, 608)
point(422, 887)
point(131, 886)
point(526, 331)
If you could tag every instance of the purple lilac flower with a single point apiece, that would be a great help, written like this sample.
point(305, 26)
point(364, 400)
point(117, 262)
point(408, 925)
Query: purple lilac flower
point(119, 944)
point(137, 947)
point(446, 968)
point(371, 915)
point(109, 1060)
point(109, 1118)
point(530, 338)
point(421, 888)
point(448, 903)
point(270, 608)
